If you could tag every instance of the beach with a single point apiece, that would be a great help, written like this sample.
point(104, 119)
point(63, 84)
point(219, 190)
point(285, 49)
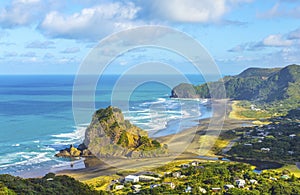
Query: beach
point(176, 142)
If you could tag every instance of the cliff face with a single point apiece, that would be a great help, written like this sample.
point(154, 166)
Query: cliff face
point(109, 135)
point(184, 90)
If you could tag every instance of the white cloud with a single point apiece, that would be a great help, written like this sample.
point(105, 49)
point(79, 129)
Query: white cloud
point(190, 10)
point(20, 12)
point(91, 22)
point(276, 40)
point(273, 40)
point(104, 18)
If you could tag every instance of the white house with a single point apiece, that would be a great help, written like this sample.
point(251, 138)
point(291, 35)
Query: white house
point(132, 178)
point(228, 186)
point(265, 149)
point(194, 163)
point(240, 183)
point(119, 187)
point(216, 189)
point(153, 186)
point(171, 184)
point(292, 135)
point(202, 190)
point(176, 174)
point(253, 181)
point(188, 189)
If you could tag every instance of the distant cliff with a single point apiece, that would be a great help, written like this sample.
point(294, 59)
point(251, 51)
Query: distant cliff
point(109, 135)
point(254, 84)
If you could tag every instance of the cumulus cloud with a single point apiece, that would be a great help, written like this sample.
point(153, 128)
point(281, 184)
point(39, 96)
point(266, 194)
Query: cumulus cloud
point(276, 40)
point(193, 11)
point(104, 18)
point(190, 10)
point(20, 12)
point(92, 22)
point(41, 44)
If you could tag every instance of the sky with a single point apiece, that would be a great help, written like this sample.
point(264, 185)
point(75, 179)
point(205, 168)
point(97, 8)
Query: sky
point(54, 36)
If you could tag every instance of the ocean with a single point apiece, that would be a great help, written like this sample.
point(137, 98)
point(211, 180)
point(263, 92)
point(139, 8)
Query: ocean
point(36, 118)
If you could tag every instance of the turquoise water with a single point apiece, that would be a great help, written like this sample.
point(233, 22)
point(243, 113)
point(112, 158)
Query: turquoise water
point(36, 117)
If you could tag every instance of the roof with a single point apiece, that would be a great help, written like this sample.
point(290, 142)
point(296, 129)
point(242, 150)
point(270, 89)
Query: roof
point(131, 177)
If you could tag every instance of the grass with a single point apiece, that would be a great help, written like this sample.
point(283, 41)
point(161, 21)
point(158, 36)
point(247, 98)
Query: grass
point(291, 168)
point(240, 112)
point(257, 122)
point(101, 183)
point(170, 167)
point(218, 146)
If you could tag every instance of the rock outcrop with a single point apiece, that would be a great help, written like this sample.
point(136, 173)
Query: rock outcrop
point(73, 152)
point(110, 135)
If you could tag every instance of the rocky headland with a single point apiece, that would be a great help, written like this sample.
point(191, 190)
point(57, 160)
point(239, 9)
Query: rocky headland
point(109, 135)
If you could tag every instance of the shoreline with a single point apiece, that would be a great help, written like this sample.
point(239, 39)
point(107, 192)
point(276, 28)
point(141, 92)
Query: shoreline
point(95, 167)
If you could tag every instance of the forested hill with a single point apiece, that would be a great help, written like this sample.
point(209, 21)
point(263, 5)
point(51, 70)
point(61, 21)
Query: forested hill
point(254, 84)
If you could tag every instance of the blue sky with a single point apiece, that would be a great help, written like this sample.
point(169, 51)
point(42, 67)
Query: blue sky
point(54, 36)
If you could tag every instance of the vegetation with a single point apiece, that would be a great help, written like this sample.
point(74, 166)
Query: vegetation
point(212, 178)
point(273, 90)
point(278, 141)
point(49, 184)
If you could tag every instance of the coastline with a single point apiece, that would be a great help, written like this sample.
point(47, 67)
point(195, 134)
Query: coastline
point(95, 167)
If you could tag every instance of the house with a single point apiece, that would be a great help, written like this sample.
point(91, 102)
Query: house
point(202, 190)
point(292, 135)
point(216, 189)
point(246, 144)
point(119, 187)
point(253, 181)
point(284, 177)
point(135, 187)
point(240, 183)
point(265, 149)
point(132, 178)
point(291, 152)
point(228, 186)
point(176, 174)
point(171, 184)
point(273, 178)
point(194, 163)
point(185, 166)
point(153, 186)
point(188, 189)
point(50, 179)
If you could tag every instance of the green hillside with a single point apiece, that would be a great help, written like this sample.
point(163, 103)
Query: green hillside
point(261, 85)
